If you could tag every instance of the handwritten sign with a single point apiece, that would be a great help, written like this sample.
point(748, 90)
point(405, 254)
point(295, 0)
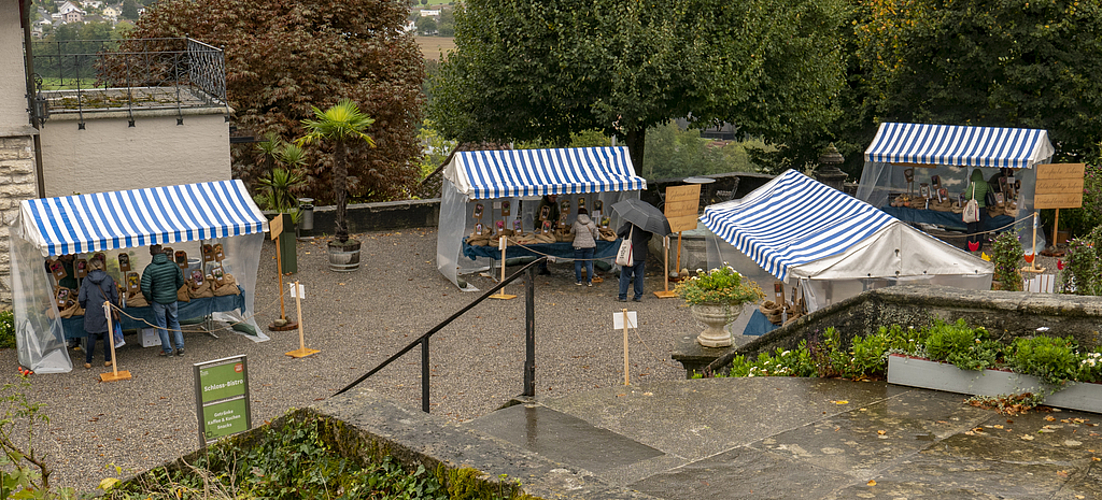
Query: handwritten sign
point(275, 226)
point(682, 205)
point(1059, 185)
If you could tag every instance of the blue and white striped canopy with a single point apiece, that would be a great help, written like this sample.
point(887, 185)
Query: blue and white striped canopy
point(140, 217)
point(793, 220)
point(537, 172)
point(959, 146)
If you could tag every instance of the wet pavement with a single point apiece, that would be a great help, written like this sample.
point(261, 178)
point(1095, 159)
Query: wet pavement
point(752, 438)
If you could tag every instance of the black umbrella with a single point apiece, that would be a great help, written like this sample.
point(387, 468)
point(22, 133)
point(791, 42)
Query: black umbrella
point(644, 215)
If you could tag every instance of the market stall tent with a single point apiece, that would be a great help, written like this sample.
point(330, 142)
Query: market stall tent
point(490, 178)
point(951, 153)
point(179, 216)
point(834, 245)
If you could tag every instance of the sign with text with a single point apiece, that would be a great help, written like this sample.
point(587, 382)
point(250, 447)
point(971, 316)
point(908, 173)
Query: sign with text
point(222, 398)
point(682, 206)
point(1059, 185)
point(275, 226)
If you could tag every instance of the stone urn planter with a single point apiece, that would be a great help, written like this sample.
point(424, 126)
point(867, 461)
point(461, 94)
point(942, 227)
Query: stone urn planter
point(926, 374)
point(344, 257)
point(715, 318)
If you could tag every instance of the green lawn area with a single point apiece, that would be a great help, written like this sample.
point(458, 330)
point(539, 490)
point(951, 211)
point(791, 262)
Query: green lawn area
point(431, 3)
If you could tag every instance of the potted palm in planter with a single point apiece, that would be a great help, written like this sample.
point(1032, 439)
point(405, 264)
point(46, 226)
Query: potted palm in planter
point(715, 299)
point(343, 124)
point(277, 189)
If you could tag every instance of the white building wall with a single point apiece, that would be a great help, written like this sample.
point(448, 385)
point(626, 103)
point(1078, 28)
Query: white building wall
point(13, 83)
point(109, 155)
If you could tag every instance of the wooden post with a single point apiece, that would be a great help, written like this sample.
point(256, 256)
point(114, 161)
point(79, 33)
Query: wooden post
point(1055, 230)
point(665, 293)
point(276, 228)
point(1032, 267)
point(627, 377)
point(115, 374)
point(302, 351)
point(503, 243)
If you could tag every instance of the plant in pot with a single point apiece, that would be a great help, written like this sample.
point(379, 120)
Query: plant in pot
point(343, 124)
point(715, 298)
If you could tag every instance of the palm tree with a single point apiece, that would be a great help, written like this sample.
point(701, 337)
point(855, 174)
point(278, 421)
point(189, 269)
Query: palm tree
point(342, 123)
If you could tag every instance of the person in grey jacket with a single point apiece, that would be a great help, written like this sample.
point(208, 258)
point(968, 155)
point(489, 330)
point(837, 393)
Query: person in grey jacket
point(160, 281)
point(585, 242)
point(97, 288)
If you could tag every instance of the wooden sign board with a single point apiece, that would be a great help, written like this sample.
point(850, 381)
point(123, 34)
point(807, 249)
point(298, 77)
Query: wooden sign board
point(682, 205)
point(1059, 185)
point(276, 226)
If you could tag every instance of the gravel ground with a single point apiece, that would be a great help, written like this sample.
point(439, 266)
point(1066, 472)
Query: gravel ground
point(356, 320)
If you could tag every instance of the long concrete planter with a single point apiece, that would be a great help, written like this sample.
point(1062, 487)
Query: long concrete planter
point(916, 372)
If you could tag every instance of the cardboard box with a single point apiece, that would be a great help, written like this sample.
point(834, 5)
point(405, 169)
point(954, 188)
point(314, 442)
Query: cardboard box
point(150, 337)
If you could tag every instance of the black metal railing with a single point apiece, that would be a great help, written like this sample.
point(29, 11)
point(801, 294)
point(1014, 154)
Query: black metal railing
point(89, 76)
point(529, 337)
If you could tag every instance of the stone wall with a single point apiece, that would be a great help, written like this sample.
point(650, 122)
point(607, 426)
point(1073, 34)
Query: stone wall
point(1005, 315)
point(17, 183)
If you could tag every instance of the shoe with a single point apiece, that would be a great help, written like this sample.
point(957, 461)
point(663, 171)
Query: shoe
point(578, 283)
point(589, 284)
point(637, 299)
point(87, 366)
point(621, 299)
point(164, 354)
point(180, 352)
point(107, 364)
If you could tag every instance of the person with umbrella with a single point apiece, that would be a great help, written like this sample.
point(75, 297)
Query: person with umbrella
point(641, 221)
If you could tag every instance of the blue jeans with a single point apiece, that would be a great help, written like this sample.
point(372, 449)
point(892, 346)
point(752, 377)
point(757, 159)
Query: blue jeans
point(164, 315)
point(625, 276)
point(587, 255)
point(90, 346)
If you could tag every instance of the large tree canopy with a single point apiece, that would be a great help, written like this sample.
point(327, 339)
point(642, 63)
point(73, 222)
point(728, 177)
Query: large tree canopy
point(1005, 63)
point(542, 70)
point(284, 58)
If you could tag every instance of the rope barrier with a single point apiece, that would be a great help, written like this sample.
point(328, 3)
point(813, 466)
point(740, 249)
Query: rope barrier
point(200, 330)
point(537, 252)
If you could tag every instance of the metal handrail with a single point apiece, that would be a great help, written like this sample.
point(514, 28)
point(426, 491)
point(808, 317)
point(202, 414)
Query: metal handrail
point(529, 338)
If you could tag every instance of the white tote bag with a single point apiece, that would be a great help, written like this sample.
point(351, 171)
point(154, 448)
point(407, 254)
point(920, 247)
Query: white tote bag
point(624, 257)
point(972, 209)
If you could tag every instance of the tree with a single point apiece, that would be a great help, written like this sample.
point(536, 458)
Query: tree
point(285, 58)
point(528, 70)
point(341, 125)
point(426, 25)
point(129, 10)
point(1009, 63)
point(445, 26)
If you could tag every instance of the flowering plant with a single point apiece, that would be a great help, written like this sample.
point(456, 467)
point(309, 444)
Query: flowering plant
point(719, 286)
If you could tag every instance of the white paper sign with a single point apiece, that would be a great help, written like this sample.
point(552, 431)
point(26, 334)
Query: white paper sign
point(501, 242)
point(497, 205)
point(301, 290)
point(618, 320)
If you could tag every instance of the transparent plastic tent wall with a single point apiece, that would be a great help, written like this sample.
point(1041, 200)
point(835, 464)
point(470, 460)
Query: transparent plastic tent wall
point(40, 340)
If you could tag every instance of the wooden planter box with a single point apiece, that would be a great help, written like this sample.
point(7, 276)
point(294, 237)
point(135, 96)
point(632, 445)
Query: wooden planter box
point(926, 374)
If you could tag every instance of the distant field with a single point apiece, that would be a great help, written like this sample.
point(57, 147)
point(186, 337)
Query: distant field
point(434, 2)
point(433, 46)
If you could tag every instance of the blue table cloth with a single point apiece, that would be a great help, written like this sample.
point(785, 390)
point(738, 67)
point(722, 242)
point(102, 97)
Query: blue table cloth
point(195, 308)
point(560, 250)
point(945, 219)
point(758, 325)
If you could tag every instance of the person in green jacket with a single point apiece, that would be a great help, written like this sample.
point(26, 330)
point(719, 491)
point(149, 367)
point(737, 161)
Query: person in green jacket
point(977, 190)
point(160, 281)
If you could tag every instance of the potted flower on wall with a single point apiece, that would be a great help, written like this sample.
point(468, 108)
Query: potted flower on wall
point(715, 298)
point(343, 124)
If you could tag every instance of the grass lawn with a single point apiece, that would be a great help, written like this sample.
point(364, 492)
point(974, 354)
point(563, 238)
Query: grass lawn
point(433, 46)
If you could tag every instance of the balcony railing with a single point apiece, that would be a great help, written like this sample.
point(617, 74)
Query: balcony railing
point(95, 76)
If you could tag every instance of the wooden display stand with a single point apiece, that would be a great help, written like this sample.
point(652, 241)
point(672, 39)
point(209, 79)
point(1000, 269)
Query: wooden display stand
point(276, 228)
point(115, 374)
point(302, 350)
point(1058, 186)
point(681, 209)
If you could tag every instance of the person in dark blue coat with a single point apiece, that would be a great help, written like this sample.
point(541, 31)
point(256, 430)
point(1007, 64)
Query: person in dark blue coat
point(97, 288)
point(639, 239)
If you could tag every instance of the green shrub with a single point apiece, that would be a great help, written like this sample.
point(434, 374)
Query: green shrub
point(1052, 359)
point(7, 329)
point(783, 363)
point(1081, 276)
point(1006, 254)
point(964, 347)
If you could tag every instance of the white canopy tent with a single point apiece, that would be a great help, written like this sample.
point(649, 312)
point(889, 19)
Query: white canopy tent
point(835, 246)
point(603, 174)
point(181, 216)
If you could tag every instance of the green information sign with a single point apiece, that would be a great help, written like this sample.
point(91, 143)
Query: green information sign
point(222, 381)
point(222, 398)
point(225, 418)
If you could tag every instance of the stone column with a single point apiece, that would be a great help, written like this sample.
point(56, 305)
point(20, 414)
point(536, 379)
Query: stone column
point(17, 183)
point(828, 172)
